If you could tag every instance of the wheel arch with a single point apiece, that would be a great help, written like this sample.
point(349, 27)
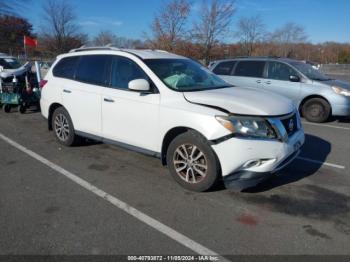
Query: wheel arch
point(52, 109)
point(172, 134)
point(169, 136)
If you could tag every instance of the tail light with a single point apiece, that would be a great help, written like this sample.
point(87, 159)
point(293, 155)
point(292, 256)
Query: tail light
point(42, 83)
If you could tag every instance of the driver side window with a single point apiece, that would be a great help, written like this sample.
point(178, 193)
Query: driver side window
point(125, 70)
point(280, 71)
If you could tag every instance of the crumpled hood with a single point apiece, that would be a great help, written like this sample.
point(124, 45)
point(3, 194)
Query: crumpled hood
point(244, 101)
point(339, 83)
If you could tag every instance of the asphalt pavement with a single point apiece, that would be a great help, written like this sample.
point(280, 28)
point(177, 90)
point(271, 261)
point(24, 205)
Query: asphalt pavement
point(102, 199)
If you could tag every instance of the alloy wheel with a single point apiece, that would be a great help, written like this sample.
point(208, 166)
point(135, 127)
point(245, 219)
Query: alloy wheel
point(62, 127)
point(190, 163)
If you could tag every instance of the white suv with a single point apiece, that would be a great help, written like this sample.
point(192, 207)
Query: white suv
point(171, 107)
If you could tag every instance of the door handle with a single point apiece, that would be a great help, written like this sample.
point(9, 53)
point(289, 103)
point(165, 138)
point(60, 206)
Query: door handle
point(67, 91)
point(108, 100)
point(258, 81)
point(268, 82)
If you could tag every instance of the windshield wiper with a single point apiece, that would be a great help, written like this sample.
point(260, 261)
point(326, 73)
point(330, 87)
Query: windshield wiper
point(214, 87)
point(322, 79)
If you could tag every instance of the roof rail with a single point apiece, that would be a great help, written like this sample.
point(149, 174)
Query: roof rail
point(267, 56)
point(108, 47)
point(91, 48)
point(160, 50)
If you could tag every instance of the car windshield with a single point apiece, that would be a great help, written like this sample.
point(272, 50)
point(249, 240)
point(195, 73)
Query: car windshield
point(9, 63)
point(310, 72)
point(185, 75)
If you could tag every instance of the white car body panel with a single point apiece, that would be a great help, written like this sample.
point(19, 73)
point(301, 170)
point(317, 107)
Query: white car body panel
point(87, 116)
point(131, 118)
point(243, 101)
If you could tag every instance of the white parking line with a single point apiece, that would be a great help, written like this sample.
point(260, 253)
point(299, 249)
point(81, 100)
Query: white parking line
point(320, 162)
point(325, 125)
point(171, 233)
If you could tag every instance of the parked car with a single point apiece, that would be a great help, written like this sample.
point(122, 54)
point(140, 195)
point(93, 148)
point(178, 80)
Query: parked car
point(10, 67)
point(317, 96)
point(173, 108)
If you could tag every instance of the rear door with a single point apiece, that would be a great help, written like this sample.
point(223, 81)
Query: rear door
point(278, 80)
point(82, 97)
point(248, 73)
point(224, 70)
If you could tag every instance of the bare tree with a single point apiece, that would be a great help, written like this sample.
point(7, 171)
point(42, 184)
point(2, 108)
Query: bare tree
point(250, 31)
point(60, 26)
point(124, 42)
point(169, 24)
point(108, 38)
point(287, 36)
point(213, 24)
point(105, 38)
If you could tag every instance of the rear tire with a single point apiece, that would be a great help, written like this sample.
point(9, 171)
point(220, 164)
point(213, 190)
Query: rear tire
point(192, 162)
point(63, 128)
point(6, 108)
point(316, 110)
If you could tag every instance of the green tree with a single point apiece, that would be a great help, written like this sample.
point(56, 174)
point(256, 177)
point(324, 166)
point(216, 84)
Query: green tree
point(12, 31)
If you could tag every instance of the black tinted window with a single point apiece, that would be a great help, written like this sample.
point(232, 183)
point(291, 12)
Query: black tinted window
point(224, 68)
point(66, 67)
point(123, 71)
point(280, 71)
point(250, 68)
point(92, 69)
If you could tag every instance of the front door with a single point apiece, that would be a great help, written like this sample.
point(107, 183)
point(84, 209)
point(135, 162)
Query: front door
point(130, 117)
point(278, 80)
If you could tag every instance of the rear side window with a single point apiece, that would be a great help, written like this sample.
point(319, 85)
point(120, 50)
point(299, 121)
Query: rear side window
point(92, 69)
point(66, 67)
point(224, 68)
point(280, 71)
point(125, 70)
point(250, 68)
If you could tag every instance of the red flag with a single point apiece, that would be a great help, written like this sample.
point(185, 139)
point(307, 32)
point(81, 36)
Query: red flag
point(30, 41)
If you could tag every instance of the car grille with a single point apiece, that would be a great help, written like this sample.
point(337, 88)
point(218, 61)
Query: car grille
point(290, 124)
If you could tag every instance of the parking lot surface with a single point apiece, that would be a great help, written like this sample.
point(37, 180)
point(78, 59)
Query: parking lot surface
point(47, 209)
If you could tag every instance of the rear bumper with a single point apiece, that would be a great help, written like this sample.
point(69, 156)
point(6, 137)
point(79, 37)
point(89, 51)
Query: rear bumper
point(44, 106)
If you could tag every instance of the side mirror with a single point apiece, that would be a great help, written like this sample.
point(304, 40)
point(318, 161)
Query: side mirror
point(141, 85)
point(293, 78)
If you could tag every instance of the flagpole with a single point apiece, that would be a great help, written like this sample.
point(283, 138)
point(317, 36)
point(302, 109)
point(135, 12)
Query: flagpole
point(25, 49)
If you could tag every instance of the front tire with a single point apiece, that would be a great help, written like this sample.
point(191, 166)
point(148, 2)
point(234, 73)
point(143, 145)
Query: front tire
point(192, 162)
point(63, 127)
point(316, 110)
point(22, 109)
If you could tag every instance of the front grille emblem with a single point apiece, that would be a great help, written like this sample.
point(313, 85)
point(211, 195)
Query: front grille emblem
point(291, 125)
